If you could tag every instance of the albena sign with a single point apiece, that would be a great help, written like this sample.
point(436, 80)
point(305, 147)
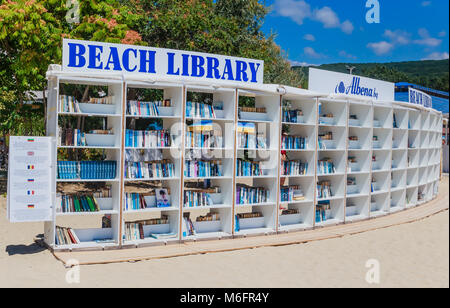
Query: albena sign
point(356, 89)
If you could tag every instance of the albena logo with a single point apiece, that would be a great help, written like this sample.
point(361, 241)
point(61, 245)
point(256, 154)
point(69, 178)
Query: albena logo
point(356, 89)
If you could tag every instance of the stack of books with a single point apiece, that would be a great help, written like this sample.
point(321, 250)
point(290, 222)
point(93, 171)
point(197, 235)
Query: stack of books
point(149, 170)
point(199, 197)
point(292, 116)
point(290, 212)
point(77, 204)
point(209, 217)
point(203, 135)
point(248, 168)
point(325, 137)
point(72, 137)
point(326, 166)
point(146, 109)
point(293, 168)
point(137, 201)
point(200, 111)
point(203, 169)
point(252, 109)
point(291, 194)
point(65, 236)
point(68, 104)
point(251, 195)
point(148, 139)
point(293, 143)
point(324, 190)
point(107, 100)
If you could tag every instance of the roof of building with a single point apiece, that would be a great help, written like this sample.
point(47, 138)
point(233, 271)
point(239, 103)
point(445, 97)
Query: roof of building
point(405, 85)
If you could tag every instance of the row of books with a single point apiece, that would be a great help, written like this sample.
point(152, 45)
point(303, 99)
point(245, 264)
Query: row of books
point(148, 139)
point(209, 217)
point(238, 217)
point(326, 166)
point(248, 168)
point(77, 204)
point(324, 190)
point(293, 168)
point(146, 109)
point(203, 169)
point(251, 195)
point(149, 170)
point(199, 198)
point(292, 116)
point(200, 110)
point(68, 104)
point(72, 137)
point(323, 211)
point(134, 231)
point(203, 139)
point(65, 236)
point(291, 193)
point(87, 170)
point(293, 143)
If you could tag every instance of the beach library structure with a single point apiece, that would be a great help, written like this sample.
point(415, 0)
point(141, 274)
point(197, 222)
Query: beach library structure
point(153, 147)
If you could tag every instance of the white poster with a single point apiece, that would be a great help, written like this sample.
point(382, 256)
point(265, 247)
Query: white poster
point(29, 179)
point(327, 82)
point(417, 97)
point(97, 57)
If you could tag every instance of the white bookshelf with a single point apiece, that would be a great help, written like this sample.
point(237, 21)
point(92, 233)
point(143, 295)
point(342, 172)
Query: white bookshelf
point(407, 162)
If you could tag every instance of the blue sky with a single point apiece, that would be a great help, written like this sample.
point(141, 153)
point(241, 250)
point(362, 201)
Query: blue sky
point(330, 31)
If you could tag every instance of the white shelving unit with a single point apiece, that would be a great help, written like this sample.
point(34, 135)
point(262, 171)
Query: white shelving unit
point(406, 168)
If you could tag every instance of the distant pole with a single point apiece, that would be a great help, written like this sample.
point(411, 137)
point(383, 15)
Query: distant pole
point(350, 69)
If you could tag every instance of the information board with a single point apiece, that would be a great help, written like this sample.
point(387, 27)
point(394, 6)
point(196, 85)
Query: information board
point(29, 179)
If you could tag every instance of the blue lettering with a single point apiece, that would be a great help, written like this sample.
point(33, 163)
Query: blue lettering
point(126, 59)
point(254, 70)
point(94, 57)
point(241, 70)
point(171, 64)
point(212, 68)
point(228, 70)
point(114, 59)
point(185, 65)
point(197, 66)
point(76, 52)
point(147, 65)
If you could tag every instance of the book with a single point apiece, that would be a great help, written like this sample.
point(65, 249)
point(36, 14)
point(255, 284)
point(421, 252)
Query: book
point(292, 116)
point(293, 143)
point(148, 139)
point(251, 195)
point(86, 170)
point(247, 168)
point(199, 111)
point(202, 134)
point(326, 166)
point(294, 168)
point(291, 193)
point(68, 104)
point(203, 168)
point(162, 198)
point(324, 190)
point(149, 170)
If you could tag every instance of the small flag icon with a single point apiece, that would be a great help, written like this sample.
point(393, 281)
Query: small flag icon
point(31, 193)
point(30, 140)
point(31, 206)
point(30, 153)
point(30, 180)
point(30, 167)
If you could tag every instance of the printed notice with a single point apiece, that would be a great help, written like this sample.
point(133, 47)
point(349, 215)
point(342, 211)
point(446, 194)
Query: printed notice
point(29, 179)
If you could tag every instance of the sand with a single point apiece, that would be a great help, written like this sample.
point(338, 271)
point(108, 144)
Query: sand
point(411, 255)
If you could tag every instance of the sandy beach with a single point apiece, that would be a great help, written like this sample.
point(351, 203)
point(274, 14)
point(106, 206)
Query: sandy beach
point(411, 255)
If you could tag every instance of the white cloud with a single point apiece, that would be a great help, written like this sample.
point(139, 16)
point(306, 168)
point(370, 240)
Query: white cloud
point(426, 3)
point(398, 37)
point(310, 52)
point(309, 37)
point(442, 34)
point(437, 56)
point(345, 54)
point(298, 63)
point(299, 10)
point(426, 39)
point(347, 27)
point(381, 48)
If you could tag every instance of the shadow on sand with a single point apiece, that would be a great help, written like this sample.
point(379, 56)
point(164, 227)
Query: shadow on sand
point(25, 249)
